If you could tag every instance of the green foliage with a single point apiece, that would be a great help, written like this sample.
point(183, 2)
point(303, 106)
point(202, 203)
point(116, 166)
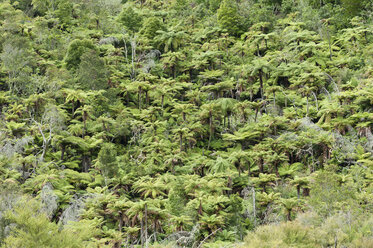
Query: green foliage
point(92, 74)
point(130, 18)
point(188, 123)
point(75, 52)
point(353, 7)
point(32, 228)
point(329, 195)
point(151, 26)
point(309, 230)
point(107, 160)
point(228, 17)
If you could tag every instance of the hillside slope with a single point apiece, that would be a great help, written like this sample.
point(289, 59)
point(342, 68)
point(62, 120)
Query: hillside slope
point(186, 123)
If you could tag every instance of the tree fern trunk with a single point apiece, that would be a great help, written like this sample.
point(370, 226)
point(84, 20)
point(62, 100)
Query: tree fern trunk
point(298, 191)
point(146, 225)
point(210, 123)
point(181, 141)
point(254, 209)
point(261, 84)
point(63, 147)
point(139, 98)
point(142, 232)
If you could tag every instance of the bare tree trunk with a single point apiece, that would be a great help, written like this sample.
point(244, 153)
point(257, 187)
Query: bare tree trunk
point(125, 50)
point(45, 139)
point(133, 47)
point(329, 41)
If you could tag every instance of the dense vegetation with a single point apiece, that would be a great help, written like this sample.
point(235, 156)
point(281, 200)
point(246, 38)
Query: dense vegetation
point(186, 123)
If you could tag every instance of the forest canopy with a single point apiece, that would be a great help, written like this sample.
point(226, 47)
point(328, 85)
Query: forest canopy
point(186, 123)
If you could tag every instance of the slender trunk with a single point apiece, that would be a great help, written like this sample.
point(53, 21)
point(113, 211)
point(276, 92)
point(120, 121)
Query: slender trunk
point(146, 225)
point(63, 147)
point(330, 43)
point(298, 191)
point(306, 192)
point(261, 165)
point(72, 108)
point(86, 163)
point(173, 69)
point(261, 84)
point(139, 98)
point(256, 114)
point(181, 141)
point(23, 171)
point(230, 183)
point(127, 98)
point(200, 209)
point(45, 140)
point(84, 127)
point(289, 215)
point(210, 123)
point(335, 242)
point(120, 224)
point(133, 57)
point(286, 102)
point(276, 171)
point(172, 167)
point(142, 232)
point(317, 103)
point(147, 98)
point(254, 209)
point(125, 50)
point(45, 147)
